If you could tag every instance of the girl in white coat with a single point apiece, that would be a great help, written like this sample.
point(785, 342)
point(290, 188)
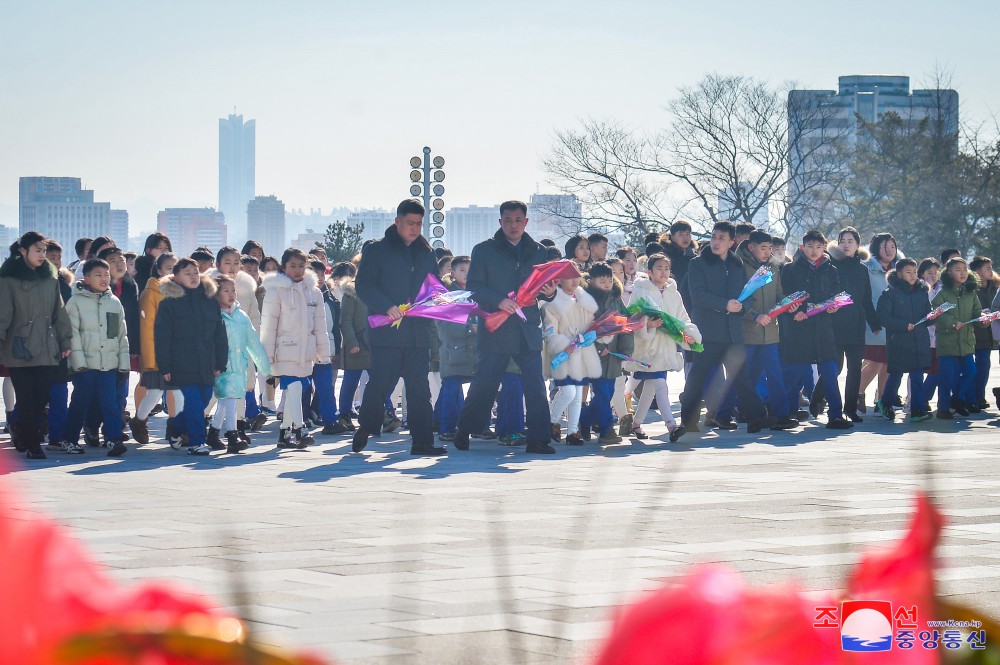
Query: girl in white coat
point(293, 332)
point(657, 348)
point(569, 314)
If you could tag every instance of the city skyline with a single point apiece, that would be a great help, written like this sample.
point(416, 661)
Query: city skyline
point(332, 87)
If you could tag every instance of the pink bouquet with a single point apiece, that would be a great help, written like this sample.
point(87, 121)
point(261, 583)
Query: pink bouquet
point(842, 299)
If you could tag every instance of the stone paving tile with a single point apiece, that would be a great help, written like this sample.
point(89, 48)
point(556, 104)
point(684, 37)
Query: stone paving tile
point(495, 556)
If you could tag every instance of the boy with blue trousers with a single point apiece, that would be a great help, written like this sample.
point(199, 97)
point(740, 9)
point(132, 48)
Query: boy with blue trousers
point(811, 340)
point(760, 331)
point(99, 353)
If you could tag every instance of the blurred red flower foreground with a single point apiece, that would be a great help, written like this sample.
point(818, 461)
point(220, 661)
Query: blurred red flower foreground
point(57, 606)
point(711, 618)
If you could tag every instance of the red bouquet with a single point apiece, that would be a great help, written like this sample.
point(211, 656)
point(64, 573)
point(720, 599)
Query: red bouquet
point(528, 292)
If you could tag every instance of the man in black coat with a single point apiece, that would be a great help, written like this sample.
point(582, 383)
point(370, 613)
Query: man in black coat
point(849, 323)
point(390, 274)
point(811, 340)
point(499, 266)
point(715, 279)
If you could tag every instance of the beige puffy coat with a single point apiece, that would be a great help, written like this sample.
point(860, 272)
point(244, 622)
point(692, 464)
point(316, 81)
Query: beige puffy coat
point(99, 332)
point(655, 346)
point(570, 316)
point(293, 325)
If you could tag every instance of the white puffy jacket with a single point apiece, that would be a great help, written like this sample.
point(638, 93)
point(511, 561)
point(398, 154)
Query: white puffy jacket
point(293, 325)
point(654, 346)
point(570, 316)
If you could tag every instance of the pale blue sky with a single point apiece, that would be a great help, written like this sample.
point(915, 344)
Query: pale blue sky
point(127, 95)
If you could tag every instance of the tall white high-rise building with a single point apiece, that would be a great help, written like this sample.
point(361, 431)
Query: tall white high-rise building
point(266, 223)
point(61, 209)
point(469, 226)
point(823, 125)
point(375, 221)
point(237, 160)
point(119, 227)
point(191, 228)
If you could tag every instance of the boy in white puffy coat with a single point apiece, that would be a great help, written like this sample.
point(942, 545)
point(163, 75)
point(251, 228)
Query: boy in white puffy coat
point(569, 314)
point(294, 335)
point(656, 347)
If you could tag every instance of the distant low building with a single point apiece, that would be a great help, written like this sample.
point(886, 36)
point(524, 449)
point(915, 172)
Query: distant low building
point(266, 223)
point(190, 228)
point(61, 209)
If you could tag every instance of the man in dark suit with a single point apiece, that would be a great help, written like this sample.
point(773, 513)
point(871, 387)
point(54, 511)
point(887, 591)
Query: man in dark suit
point(391, 273)
point(499, 266)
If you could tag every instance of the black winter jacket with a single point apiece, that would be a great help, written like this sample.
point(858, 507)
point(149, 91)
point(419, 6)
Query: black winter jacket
point(498, 269)
point(849, 322)
point(812, 340)
point(391, 274)
point(712, 282)
point(128, 293)
point(898, 306)
point(189, 334)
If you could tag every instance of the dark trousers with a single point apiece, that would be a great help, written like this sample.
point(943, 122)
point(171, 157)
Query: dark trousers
point(957, 374)
point(982, 357)
point(918, 400)
point(92, 387)
point(32, 386)
point(598, 410)
point(319, 397)
point(58, 410)
point(483, 392)
point(389, 364)
point(794, 378)
point(510, 406)
point(852, 386)
point(733, 358)
point(452, 399)
point(762, 362)
point(191, 420)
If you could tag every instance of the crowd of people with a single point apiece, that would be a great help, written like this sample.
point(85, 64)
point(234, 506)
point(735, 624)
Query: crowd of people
point(214, 335)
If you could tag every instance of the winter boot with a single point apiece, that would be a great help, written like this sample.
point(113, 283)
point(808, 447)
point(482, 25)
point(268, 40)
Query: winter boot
point(304, 437)
point(140, 432)
point(212, 439)
point(233, 443)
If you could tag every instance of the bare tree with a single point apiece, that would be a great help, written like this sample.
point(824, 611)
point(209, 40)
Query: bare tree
point(749, 147)
point(602, 165)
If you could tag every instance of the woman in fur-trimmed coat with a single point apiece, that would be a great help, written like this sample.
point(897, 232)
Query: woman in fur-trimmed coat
point(569, 314)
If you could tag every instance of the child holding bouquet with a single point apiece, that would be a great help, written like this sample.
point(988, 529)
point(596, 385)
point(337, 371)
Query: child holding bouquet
point(606, 291)
point(901, 308)
point(569, 314)
point(956, 341)
point(656, 348)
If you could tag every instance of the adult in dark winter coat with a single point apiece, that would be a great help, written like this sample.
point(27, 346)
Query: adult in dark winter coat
point(715, 280)
point(125, 289)
point(849, 323)
point(499, 266)
point(811, 340)
point(34, 334)
point(390, 274)
point(908, 345)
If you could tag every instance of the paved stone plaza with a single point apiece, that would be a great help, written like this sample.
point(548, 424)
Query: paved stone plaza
point(493, 556)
